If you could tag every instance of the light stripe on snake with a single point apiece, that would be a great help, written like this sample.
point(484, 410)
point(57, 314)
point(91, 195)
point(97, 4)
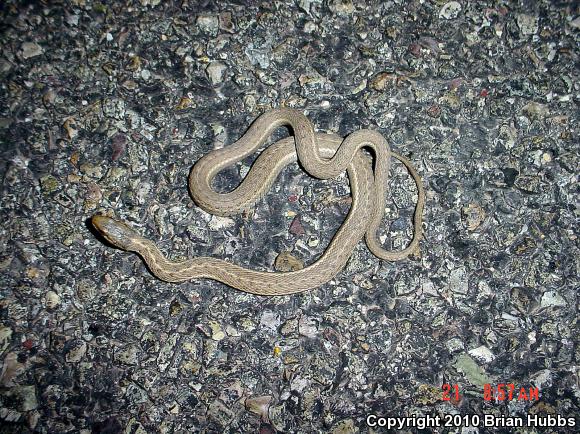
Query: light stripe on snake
point(323, 156)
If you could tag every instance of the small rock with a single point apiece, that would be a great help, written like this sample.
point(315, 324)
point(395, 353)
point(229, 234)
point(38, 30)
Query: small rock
point(11, 369)
point(5, 337)
point(220, 413)
point(128, 355)
point(69, 126)
point(49, 184)
point(217, 333)
point(25, 396)
point(215, 72)
point(208, 24)
point(167, 352)
point(454, 345)
point(259, 405)
point(473, 215)
point(184, 103)
point(118, 145)
point(308, 327)
point(296, 227)
point(270, 320)
point(346, 426)
point(434, 111)
point(289, 327)
point(51, 300)
point(219, 223)
point(528, 24)
point(285, 262)
point(458, 281)
point(535, 111)
point(552, 299)
point(30, 49)
point(342, 7)
point(259, 55)
point(472, 372)
point(175, 308)
point(226, 22)
point(450, 10)
point(76, 351)
point(483, 354)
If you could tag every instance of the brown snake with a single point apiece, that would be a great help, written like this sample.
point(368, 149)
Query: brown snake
point(322, 156)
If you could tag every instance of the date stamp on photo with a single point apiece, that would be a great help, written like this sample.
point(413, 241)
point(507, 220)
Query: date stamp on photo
point(499, 392)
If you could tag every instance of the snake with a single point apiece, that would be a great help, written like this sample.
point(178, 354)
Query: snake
point(365, 155)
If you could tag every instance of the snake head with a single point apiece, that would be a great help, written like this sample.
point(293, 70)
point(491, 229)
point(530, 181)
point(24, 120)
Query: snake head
point(115, 232)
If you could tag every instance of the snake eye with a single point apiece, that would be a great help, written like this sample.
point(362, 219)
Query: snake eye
point(115, 231)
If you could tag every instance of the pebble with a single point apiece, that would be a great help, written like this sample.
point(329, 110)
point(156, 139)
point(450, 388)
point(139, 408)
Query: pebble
point(482, 353)
point(49, 184)
point(217, 334)
point(259, 56)
point(341, 7)
point(270, 320)
point(308, 327)
point(226, 23)
point(552, 299)
point(472, 371)
point(220, 412)
point(458, 281)
point(450, 10)
point(167, 352)
point(51, 300)
point(296, 227)
point(30, 49)
point(215, 71)
point(218, 223)
point(129, 355)
point(285, 262)
point(5, 337)
point(76, 351)
point(208, 24)
point(474, 215)
point(259, 405)
point(25, 397)
point(527, 24)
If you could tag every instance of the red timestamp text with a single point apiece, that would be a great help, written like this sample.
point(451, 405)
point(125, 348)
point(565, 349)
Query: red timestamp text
point(510, 392)
point(497, 392)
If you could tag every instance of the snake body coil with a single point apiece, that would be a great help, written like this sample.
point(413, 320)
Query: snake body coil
point(323, 156)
